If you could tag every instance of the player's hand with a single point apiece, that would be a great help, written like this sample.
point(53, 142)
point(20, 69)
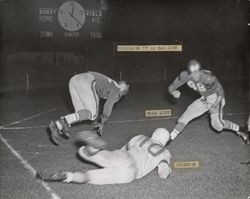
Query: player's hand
point(176, 94)
point(164, 170)
point(99, 128)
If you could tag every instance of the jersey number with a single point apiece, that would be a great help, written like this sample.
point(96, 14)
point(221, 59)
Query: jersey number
point(151, 146)
point(196, 86)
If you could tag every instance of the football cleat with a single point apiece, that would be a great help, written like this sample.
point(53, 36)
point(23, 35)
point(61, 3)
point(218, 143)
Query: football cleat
point(52, 177)
point(65, 125)
point(91, 138)
point(244, 135)
point(56, 133)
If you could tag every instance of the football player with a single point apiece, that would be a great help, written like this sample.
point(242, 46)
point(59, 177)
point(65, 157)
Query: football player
point(136, 159)
point(86, 89)
point(212, 100)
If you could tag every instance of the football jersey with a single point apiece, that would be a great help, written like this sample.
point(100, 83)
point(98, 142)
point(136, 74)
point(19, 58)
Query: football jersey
point(205, 85)
point(147, 154)
point(106, 88)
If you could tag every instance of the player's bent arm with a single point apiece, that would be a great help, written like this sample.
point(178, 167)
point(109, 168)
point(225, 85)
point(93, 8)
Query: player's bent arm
point(132, 142)
point(178, 82)
point(108, 107)
point(164, 170)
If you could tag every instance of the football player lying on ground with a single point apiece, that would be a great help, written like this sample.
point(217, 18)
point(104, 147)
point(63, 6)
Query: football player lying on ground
point(86, 89)
point(212, 100)
point(136, 159)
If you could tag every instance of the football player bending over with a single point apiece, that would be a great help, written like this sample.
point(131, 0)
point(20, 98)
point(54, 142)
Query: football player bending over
point(86, 89)
point(212, 100)
point(136, 159)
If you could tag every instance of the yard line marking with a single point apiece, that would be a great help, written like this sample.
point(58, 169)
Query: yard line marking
point(165, 118)
point(141, 120)
point(112, 122)
point(31, 117)
point(24, 127)
point(29, 168)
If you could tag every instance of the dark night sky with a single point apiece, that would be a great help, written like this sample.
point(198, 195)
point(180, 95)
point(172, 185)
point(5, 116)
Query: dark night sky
point(214, 32)
point(130, 21)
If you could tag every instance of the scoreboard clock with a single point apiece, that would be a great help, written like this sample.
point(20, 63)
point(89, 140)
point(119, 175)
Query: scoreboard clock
point(71, 19)
point(71, 16)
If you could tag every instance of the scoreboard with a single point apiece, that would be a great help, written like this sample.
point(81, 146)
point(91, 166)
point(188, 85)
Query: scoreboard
point(70, 19)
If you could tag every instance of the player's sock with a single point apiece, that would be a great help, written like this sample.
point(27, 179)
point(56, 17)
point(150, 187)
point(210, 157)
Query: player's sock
point(83, 114)
point(77, 177)
point(174, 134)
point(231, 126)
point(177, 130)
point(72, 118)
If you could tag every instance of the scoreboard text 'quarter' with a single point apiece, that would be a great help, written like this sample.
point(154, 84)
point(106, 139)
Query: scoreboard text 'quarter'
point(158, 113)
point(187, 165)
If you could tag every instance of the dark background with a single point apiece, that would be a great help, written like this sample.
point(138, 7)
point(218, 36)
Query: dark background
point(214, 32)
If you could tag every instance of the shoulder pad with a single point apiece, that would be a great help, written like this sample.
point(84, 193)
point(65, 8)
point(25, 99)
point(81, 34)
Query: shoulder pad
point(184, 75)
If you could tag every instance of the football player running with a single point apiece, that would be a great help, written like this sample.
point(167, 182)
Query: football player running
point(212, 100)
point(86, 89)
point(136, 159)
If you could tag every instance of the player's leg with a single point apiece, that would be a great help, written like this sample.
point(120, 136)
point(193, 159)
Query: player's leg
point(111, 175)
point(85, 102)
point(118, 165)
point(218, 123)
point(95, 176)
point(194, 110)
point(74, 177)
point(216, 115)
point(84, 97)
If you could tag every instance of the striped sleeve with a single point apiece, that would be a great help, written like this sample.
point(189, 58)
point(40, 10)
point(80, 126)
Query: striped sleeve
point(108, 106)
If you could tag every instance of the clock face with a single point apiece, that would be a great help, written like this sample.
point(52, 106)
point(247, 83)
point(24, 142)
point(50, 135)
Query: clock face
point(71, 16)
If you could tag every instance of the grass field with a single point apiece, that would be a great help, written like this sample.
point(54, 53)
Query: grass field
point(25, 147)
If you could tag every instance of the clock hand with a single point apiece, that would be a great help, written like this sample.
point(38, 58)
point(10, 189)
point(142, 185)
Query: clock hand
point(73, 7)
point(75, 18)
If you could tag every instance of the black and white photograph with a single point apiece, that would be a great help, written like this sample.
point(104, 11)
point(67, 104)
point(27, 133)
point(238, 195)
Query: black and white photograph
point(124, 99)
